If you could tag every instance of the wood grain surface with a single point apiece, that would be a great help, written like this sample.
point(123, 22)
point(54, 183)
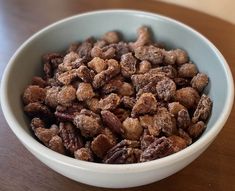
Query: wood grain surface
point(21, 171)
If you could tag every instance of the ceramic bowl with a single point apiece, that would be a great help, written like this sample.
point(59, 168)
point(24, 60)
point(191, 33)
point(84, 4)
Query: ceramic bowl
point(26, 63)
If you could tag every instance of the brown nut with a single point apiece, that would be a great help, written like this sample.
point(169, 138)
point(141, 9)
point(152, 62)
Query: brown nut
point(187, 70)
point(175, 107)
point(128, 64)
point(97, 64)
point(34, 93)
point(100, 145)
point(145, 104)
point(84, 154)
point(112, 122)
point(110, 102)
point(196, 130)
point(66, 95)
point(200, 81)
point(144, 67)
point(132, 129)
point(111, 37)
point(84, 91)
point(188, 97)
point(56, 144)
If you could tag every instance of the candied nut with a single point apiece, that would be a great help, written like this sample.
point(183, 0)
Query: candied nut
point(110, 135)
point(196, 130)
point(126, 89)
point(91, 114)
point(181, 82)
point(88, 125)
point(51, 62)
point(45, 135)
point(71, 137)
point(146, 140)
point(84, 91)
point(187, 70)
point(183, 119)
point(132, 128)
point(66, 95)
point(112, 86)
point(67, 77)
point(175, 107)
point(199, 82)
point(52, 96)
point(144, 105)
point(178, 143)
point(36, 123)
point(100, 145)
point(149, 53)
point(181, 56)
point(166, 89)
point(84, 154)
point(100, 43)
point(121, 48)
point(110, 102)
point(85, 74)
point(185, 136)
point(93, 104)
point(159, 148)
point(71, 61)
point(124, 152)
point(84, 50)
point(34, 93)
point(38, 81)
point(128, 102)
point(188, 97)
point(128, 64)
point(148, 121)
point(111, 37)
point(104, 53)
point(121, 113)
point(112, 122)
point(56, 144)
point(144, 37)
point(68, 113)
point(141, 80)
point(165, 121)
point(169, 57)
point(144, 67)
point(37, 109)
point(103, 77)
point(168, 71)
point(203, 109)
point(97, 64)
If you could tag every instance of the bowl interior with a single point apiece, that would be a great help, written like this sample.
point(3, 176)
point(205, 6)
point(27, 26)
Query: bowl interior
point(27, 62)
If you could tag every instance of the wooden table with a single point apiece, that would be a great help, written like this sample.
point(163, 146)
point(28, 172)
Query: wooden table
point(21, 171)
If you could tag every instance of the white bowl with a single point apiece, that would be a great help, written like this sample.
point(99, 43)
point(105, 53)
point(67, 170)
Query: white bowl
point(25, 63)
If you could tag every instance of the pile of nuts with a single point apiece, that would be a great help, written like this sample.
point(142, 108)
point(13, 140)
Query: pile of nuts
point(116, 102)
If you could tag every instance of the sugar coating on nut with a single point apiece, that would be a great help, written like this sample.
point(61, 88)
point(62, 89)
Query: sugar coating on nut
point(84, 91)
point(66, 95)
point(144, 66)
point(145, 104)
point(181, 56)
point(188, 97)
point(84, 154)
point(56, 144)
point(200, 81)
point(34, 93)
point(100, 145)
point(88, 125)
point(175, 107)
point(166, 89)
point(128, 64)
point(110, 102)
point(132, 129)
point(187, 70)
point(97, 64)
point(149, 53)
point(126, 89)
point(196, 130)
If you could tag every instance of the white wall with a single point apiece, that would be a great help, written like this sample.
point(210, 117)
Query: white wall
point(224, 9)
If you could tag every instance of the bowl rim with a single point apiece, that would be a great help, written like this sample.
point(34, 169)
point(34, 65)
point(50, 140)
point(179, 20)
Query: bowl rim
point(34, 146)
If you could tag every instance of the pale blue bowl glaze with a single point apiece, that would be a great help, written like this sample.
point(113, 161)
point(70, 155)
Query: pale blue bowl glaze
point(26, 62)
